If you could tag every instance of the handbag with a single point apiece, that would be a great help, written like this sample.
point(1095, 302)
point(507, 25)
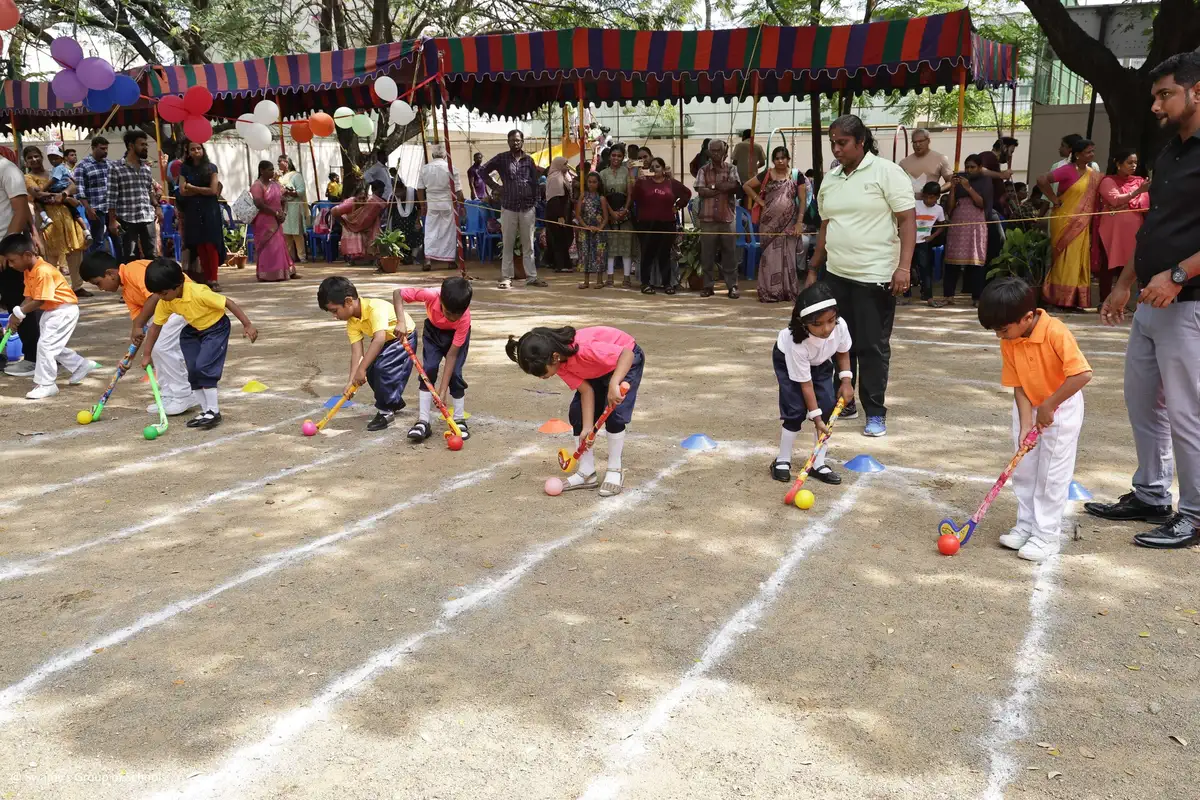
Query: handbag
point(243, 208)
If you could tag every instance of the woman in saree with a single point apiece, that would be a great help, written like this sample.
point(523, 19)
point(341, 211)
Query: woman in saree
point(295, 209)
point(1069, 283)
point(63, 238)
point(360, 216)
point(781, 195)
point(270, 248)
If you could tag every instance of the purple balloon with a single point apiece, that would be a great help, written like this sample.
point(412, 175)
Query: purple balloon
point(67, 87)
point(125, 91)
point(95, 73)
point(66, 51)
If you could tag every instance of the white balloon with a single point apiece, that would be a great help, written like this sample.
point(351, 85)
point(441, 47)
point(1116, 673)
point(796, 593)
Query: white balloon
point(401, 113)
point(343, 117)
point(363, 125)
point(258, 136)
point(243, 125)
point(266, 112)
point(386, 88)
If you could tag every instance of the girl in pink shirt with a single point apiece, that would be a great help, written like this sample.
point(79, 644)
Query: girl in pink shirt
point(593, 362)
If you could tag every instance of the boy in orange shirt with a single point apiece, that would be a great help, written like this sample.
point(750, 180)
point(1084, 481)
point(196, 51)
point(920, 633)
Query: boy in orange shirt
point(105, 272)
point(48, 291)
point(1046, 370)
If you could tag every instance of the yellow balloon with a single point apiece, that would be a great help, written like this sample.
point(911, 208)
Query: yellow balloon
point(804, 499)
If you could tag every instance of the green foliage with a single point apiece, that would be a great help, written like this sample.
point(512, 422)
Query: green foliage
point(392, 243)
point(689, 256)
point(1026, 254)
point(235, 240)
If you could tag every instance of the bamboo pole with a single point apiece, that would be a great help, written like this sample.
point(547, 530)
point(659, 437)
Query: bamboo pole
point(582, 156)
point(962, 110)
point(282, 138)
point(162, 168)
point(753, 125)
point(1012, 131)
point(460, 249)
point(12, 118)
point(682, 127)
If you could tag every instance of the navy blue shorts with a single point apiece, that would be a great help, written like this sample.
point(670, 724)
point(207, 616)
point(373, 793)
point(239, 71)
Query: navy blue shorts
point(792, 408)
point(204, 353)
point(622, 414)
point(437, 343)
point(388, 374)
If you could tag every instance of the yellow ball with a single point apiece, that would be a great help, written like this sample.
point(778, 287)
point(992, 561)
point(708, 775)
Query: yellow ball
point(805, 499)
point(84, 417)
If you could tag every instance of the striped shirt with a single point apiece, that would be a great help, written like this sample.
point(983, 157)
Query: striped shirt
point(129, 192)
point(91, 178)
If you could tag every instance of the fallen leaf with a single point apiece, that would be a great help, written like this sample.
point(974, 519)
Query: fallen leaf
point(1129, 772)
point(259, 535)
point(805, 763)
point(1033, 769)
point(1051, 776)
point(1134, 667)
point(956, 729)
point(1054, 751)
point(1144, 635)
point(954, 666)
point(610, 693)
point(1045, 745)
point(1182, 741)
point(1189, 611)
point(1083, 751)
point(178, 682)
point(891, 631)
point(98, 650)
point(1102, 612)
point(488, 565)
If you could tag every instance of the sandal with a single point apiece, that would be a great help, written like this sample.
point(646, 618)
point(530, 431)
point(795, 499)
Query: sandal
point(647, 290)
point(608, 281)
point(825, 475)
point(599, 285)
point(588, 482)
point(781, 470)
point(670, 290)
point(420, 431)
point(627, 283)
point(608, 489)
point(585, 286)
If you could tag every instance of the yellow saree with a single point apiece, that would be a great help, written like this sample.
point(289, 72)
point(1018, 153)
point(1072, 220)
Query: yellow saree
point(1069, 283)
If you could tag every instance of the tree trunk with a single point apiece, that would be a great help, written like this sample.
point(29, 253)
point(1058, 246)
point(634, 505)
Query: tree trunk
point(708, 14)
point(326, 25)
point(814, 105)
point(339, 25)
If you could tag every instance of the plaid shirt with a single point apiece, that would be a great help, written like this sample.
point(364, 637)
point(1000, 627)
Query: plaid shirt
point(129, 192)
point(91, 176)
point(718, 208)
point(518, 191)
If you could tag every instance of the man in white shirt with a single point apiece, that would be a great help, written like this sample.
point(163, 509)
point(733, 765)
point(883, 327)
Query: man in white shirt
point(925, 165)
point(435, 189)
point(15, 217)
point(379, 172)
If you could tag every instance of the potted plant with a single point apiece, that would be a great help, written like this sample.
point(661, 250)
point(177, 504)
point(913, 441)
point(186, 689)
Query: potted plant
point(1026, 254)
point(691, 272)
point(235, 247)
point(392, 248)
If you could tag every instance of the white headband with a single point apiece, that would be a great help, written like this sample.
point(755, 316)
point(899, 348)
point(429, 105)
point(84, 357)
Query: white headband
point(815, 307)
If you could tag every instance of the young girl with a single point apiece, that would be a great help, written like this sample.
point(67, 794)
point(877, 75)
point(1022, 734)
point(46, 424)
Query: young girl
point(591, 211)
point(803, 360)
point(594, 362)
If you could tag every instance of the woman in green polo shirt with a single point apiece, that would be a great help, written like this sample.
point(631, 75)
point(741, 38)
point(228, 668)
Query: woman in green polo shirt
point(868, 232)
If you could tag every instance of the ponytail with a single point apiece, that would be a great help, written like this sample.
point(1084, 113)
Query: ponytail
point(534, 351)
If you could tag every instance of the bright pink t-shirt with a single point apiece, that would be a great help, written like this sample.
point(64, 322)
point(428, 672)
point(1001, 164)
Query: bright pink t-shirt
point(599, 349)
point(432, 298)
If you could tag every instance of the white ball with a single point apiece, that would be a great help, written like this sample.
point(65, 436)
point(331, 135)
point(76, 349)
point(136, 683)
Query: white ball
point(343, 117)
point(386, 88)
point(266, 112)
point(401, 113)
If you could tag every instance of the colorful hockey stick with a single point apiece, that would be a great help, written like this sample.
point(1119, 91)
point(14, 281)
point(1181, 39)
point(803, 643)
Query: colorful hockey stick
point(567, 459)
point(790, 497)
point(336, 407)
point(122, 368)
point(963, 533)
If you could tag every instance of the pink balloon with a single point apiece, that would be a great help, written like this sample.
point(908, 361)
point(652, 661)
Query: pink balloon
point(95, 73)
point(171, 109)
point(66, 51)
point(197, 129)
point(67, 87)
point(197, 100)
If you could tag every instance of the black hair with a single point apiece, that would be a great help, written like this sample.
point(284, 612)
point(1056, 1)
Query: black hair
point(1118, 157)
point(588, 176)
point(29, 148)
point(163, 275)
point(1019, 185)
point(618, 146)
point(974, 157)
point(517, 131)
point(335, 289)
point(851, 125)
point(187, 156)
point(266, 163)
point(932, 187)
point(456, 294)
point(813, 294)
point(746, 134)
point(133, 137)
point(1070, 139)
point(781, 149)
point(658, 160)
point(808, 173)
point(1080, 145)
point(381, 156)
point(98, 140)
point(95, 263)
point(1006, 301)
point(333, 176)
point(291, 165)
point(16, 243)
point(532, 352)
point(377, 187)
point(1005, 141)
point(1184, 67)
point(68, 151)
point(1035, 192)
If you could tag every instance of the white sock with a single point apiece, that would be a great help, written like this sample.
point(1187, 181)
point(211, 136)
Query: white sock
point(208, 401)
point(819, 461)
point(586, 467)
point(426, 405)
point(627, 265)
point(460, 405)
point(787, 440)
point(612, 262)
point(616, 441)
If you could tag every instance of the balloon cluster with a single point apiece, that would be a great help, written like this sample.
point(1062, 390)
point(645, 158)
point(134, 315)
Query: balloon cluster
point(190, 110)
point(399, 112)
point(256, 128)
point(89, 80)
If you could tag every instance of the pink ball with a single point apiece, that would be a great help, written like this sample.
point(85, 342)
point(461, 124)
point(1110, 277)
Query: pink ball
point(309, 428)
point(554, 486)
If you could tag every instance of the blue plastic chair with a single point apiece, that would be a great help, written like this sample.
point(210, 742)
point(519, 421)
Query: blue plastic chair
point(747, 240)
point(169, 234)
point(250, 245)
point(476, 233)
point(321, 239)
point(939, 256)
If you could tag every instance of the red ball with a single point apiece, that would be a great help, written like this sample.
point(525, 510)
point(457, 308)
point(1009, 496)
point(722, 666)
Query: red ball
point(947, 544)
point(454, 442)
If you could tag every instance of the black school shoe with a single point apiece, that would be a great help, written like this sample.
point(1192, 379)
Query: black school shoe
point(1175, 533)
point(826, 475)
point(381, 420)
point(1127, 508)
point(849, 412)
point(781, 470)
point(205, 420)
point(462, 426)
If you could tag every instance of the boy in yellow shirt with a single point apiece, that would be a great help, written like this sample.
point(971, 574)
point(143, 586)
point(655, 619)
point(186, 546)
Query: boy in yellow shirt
point(1046, 370)
point(45, 290)
point(106, 273)
point(385, 363)
point(204, 340)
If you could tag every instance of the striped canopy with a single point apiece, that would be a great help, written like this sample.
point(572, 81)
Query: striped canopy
point(513, 74)
point(33, 105)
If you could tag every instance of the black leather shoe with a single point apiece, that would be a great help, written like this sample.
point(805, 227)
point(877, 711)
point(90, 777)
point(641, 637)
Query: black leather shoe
point(1128, 507)
point(781, 470)
point(1179, 531)
point(825, 475)
point(706, 292)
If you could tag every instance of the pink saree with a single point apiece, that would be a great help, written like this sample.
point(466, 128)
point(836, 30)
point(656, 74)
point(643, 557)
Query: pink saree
point(272, 262)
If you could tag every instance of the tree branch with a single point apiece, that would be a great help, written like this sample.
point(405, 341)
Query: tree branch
point(1081, 54)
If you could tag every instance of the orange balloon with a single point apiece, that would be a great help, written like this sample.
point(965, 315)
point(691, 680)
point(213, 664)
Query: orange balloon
point(9, 15)
point(302, 132)
point(321, 124)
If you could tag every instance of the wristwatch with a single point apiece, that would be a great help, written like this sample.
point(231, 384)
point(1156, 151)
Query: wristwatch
point(1179, 276)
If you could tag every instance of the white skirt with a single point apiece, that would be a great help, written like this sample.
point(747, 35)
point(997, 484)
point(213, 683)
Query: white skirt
point(441, 238)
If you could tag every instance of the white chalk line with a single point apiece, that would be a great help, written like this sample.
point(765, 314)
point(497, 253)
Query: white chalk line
point(242, 764)
point(19, 569)
point(612, 778)
point(17, 692)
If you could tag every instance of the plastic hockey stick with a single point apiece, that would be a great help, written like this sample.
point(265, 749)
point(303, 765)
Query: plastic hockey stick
point(437, 401)
point(336, 407)
point(161, 425)
point(963, 533)
point(790, 497)
point(4, 340)
point(566, 459)
point(122, 368)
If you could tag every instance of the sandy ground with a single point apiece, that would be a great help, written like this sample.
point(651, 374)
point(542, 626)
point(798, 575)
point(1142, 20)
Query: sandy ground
point(247, 613)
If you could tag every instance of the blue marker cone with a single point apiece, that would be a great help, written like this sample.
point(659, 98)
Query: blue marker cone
point(333, 401)
point(864, 463)
point(698, 441)
point(1078, 491)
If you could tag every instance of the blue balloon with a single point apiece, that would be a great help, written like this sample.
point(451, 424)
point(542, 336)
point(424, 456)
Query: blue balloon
point(100, 101)
point(124, 91)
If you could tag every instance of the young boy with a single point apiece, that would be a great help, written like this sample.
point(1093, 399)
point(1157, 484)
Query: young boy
point(1043, 365)
point(60, 173)
point(385, 363)
point(930, 214)
point(45, 290)
point(204, 338)
point(105, 272)
point(447, 334)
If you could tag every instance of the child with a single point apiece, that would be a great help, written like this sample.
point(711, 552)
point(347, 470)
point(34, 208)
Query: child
point(385, 364)
point(592, 212)
point(1043, 365)
point(803, 361)
point(594, 362)
point(45, 290)
point(447, 334)
point(204, 340)
point(930, 215)
point(105, 272)
point(60, 173)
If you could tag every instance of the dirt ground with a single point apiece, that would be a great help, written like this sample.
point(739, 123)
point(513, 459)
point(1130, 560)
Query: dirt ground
point(248, 613)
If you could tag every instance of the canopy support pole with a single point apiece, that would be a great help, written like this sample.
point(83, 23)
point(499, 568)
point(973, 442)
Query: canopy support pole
point(753, 125)
point(12, 120)
point(282, 138)
point(460, 248)
point(1012, 131)
point(962, 109)
point(316, 174)
point(582, 155)
point(162, 168)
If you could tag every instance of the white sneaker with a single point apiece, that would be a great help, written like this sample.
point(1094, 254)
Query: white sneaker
point(42, 391)
point(172, 407)
point(1036, 550)
point(19, 369)
point(1015, 539)
point(78, 375)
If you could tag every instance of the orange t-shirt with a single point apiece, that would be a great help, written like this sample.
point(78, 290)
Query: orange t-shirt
point(1040, 362)
point(133, 286)
point(44, 282)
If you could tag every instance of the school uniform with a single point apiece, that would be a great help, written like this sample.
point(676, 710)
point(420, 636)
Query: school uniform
point(60, 315)
point(439, 335)
point(810, 361)
point(599, 349)
point(204, 339)
point(169, 366)
point(388, 374)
